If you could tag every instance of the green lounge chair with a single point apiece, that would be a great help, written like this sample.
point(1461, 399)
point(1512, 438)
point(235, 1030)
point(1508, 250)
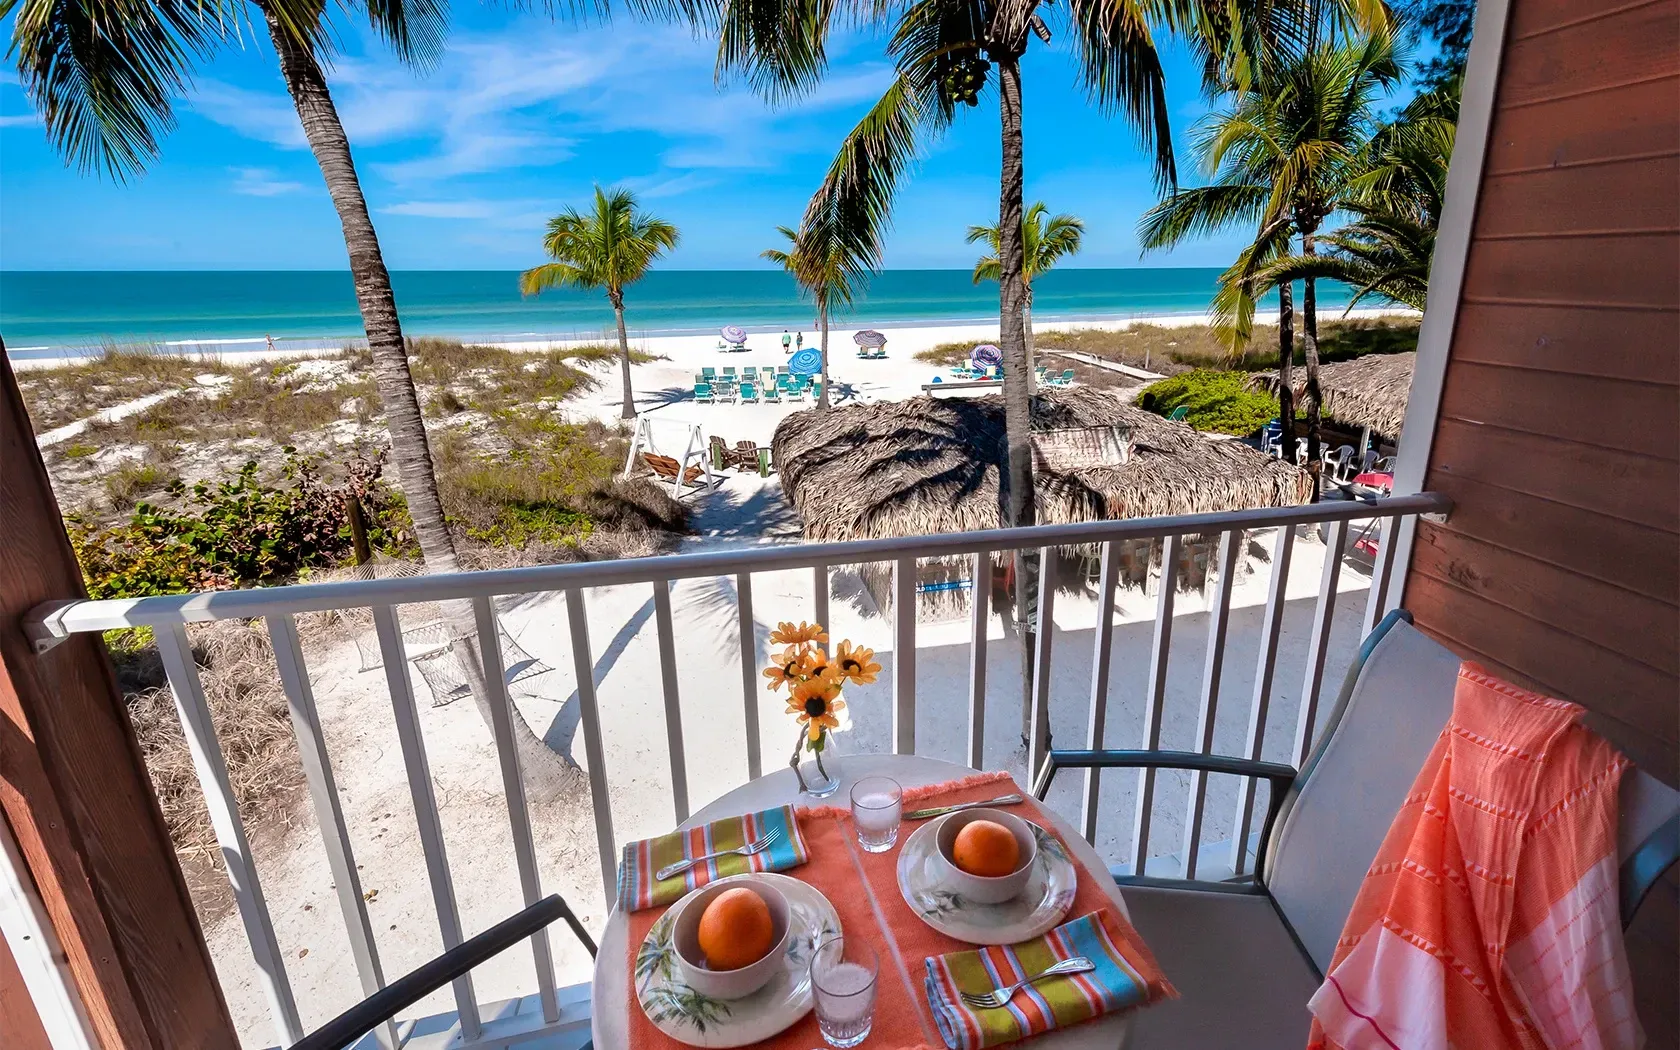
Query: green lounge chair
point(709, 372)
point(749, 393)
point(703, 393)
point(1178, 414)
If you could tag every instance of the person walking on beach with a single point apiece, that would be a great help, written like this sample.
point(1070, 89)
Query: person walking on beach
point(799, 341)
point(786, 339)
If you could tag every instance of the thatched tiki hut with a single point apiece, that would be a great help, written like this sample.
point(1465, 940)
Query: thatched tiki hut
point(927, 466)
point(1367, 391)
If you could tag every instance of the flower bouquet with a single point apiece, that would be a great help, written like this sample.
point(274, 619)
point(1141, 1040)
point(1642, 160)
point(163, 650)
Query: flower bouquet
point(814, 680)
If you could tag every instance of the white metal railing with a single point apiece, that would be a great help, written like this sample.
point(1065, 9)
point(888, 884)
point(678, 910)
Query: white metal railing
point(279, 606)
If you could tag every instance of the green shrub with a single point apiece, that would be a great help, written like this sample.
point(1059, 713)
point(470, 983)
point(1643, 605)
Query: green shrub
point(239, 532)
point(1218, 401)
point(132, 479)
point(78, 450)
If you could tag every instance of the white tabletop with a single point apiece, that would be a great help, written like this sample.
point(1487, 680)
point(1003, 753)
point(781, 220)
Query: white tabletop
point(611, 996)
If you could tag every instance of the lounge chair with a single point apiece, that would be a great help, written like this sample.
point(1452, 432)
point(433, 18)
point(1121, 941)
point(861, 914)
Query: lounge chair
point(709, 372)
point(795, 392)
point(1246, 957)
point(1179, 414)
point(703, 393)
point(772, 394)
point(782, 370)
point(749, 372)
point(816, 389)
point(749, 392)
point(729, 371)
point(1066, 378)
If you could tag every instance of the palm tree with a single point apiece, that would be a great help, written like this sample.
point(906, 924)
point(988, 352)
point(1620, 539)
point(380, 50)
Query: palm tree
point(828, 270)
point(1286, 154)
point(105, 80)
point(1044, 242)
point(1386, 250)
point(609, 248)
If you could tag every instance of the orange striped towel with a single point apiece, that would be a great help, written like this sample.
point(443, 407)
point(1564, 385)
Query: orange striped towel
point(1489, 917)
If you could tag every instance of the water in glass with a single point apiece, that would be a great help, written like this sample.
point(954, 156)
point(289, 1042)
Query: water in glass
point(877, 807)
point(843, 981)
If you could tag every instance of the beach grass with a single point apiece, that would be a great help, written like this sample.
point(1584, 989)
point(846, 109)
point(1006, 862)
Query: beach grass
point(57, 396)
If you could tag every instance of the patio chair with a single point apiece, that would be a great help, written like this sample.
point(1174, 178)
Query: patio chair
point(1179, 414)
point(749, 372)
point(749, 392)
point(709, 372)
point(1067, 378)
point(772, 394)
point(1336, 462)
point(1247, 956)
point(703, 393)
point(729, 371)
point(351, 1025)
point(795, 392)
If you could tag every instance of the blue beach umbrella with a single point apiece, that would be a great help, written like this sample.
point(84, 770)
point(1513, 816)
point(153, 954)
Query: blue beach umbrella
point(806, 362)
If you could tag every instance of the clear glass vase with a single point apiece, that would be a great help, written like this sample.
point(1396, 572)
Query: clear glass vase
point(819, 771)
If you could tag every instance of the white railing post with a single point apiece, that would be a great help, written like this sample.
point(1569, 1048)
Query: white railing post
point(1382, 571)
point(513, 786)
point(819, 594)
point(583, 663)
point(211, 767)
point(1156, 700)
point(1270, 629)
point(1219, 622)
point(329, 815)
point(980, 617)
point(1107, 578)
point(1039, 736)
point(413, 745)
point(904, 656)
point(673, 705)
point(749, 672)
point(1318, 642)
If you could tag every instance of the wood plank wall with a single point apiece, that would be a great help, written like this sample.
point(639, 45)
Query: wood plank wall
point(1559, 427)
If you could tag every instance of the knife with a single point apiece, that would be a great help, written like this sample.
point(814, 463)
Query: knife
point(940, 811)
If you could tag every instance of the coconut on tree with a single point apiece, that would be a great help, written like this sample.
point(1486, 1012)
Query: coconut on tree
point(1045, 240)
point(105, 80)
point(609, 247)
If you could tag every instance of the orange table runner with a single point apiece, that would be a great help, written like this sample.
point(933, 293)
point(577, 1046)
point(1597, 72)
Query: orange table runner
point(839, 868)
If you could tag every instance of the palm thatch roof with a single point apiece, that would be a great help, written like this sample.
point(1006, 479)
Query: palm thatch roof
point(1367, 391)
point(932, 465)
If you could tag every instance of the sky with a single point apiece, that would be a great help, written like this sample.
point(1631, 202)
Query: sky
point(463, 162)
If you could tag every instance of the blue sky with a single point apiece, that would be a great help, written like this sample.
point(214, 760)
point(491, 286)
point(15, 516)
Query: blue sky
point(463, 163)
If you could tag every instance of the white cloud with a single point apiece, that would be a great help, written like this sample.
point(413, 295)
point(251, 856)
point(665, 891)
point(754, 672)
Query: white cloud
point(262, 182)
point(443, 209)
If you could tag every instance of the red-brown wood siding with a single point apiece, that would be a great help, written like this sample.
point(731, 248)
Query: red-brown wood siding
point(1559, 428)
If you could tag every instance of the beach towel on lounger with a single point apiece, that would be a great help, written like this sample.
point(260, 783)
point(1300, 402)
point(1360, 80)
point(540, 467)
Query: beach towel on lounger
point(1489, 918)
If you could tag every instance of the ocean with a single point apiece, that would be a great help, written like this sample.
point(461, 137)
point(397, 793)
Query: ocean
point(47, 313)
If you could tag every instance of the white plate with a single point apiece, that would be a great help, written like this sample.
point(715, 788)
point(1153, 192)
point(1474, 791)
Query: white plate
point(1046, 899)
point(698, 1020)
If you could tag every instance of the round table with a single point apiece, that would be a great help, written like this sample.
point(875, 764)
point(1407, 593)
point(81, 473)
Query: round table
point(610, 1016)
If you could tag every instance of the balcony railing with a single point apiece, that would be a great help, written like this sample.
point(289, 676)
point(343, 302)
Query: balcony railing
point(278, 607)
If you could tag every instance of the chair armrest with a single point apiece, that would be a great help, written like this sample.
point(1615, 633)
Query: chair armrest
point(1280, 776)
point(409, 989)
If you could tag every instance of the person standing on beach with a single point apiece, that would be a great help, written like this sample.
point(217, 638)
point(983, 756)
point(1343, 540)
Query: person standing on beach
point(786, 339)
point(799, 341)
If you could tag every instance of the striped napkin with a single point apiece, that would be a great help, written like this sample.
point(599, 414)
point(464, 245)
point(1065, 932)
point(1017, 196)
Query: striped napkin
point(1126, 976)
point(637, 888)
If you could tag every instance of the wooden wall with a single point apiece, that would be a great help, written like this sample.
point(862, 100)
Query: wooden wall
point(1559, 427)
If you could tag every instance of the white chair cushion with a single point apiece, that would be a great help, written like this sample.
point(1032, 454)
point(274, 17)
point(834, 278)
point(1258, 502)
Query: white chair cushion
point(1242, 980)
point(1349, 796)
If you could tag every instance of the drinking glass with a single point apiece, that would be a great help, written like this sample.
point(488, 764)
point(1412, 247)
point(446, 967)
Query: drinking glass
point(843, 981)
point(877, 807)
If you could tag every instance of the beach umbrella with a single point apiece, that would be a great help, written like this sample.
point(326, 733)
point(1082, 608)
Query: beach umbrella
point(733, 333)
point(806, 362)
point(869, 337)
point(985, 356)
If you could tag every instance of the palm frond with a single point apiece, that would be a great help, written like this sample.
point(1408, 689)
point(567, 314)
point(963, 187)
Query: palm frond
point(1121, 70)
point(780, 47)
point(1199, 212)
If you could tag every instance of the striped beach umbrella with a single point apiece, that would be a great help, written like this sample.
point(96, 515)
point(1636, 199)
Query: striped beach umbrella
point(985, 356)
point(733, 333)
point(869, 337)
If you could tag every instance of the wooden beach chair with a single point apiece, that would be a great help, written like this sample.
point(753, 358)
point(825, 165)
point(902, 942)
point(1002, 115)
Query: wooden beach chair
point(666, 467)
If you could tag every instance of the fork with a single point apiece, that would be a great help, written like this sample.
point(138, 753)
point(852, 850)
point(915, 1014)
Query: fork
point(750, 849)
point(1001, 996)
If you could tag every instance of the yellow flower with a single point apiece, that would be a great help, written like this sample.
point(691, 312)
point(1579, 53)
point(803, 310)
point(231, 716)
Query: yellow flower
point(787, 634)
point(855, 664)
point(816, 664)
point(788, 668)
point(816, 702)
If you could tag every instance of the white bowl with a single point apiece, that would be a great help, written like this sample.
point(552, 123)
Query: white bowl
point(979, 888)
point(691, 961)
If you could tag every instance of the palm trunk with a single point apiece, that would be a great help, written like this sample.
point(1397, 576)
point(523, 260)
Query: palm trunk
point(392, 379)
point(1309, 343)
point(1027, 335)
point(1019, 508)
point(1286, 367)
point(822, 348)
point(629, 410)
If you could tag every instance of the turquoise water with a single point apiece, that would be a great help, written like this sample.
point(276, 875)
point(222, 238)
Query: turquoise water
point(43, 313)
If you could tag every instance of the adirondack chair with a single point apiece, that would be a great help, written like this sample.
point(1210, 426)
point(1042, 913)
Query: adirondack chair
point(1246, 957)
